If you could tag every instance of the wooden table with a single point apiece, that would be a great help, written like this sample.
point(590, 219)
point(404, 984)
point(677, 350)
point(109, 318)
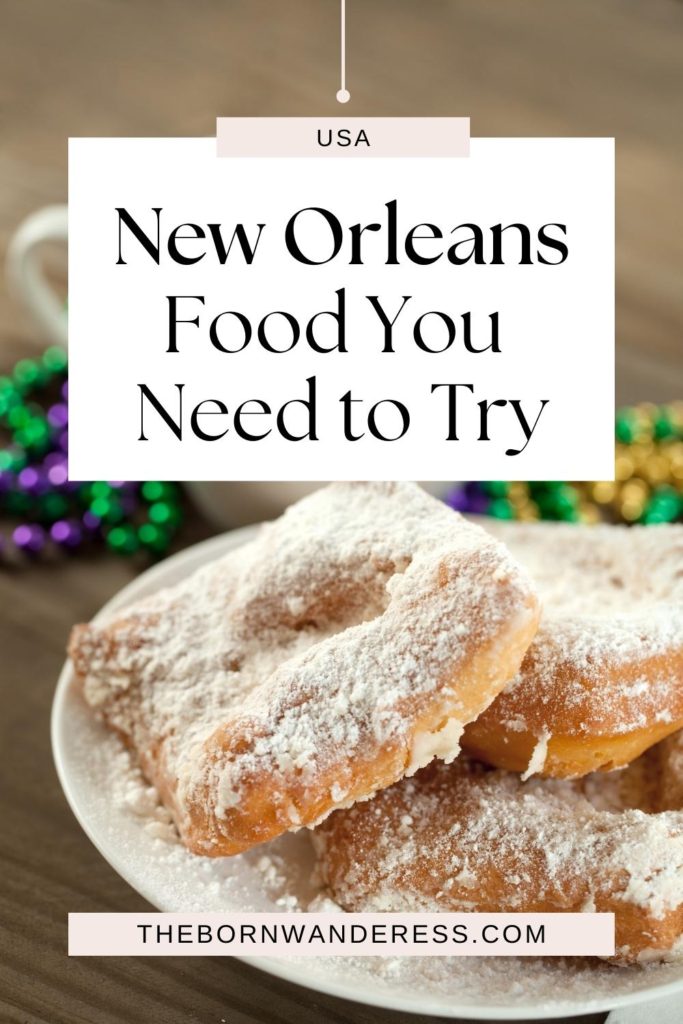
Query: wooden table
point(136, 67)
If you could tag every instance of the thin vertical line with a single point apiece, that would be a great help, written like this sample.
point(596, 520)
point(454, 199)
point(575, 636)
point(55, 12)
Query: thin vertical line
point(343, 44)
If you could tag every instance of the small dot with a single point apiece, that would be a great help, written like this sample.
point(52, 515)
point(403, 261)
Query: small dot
point(343, 96)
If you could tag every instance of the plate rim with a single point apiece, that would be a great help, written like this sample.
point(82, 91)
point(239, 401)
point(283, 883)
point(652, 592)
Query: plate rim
point(194, 556)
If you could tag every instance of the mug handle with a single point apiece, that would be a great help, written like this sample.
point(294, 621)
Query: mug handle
point(26, 275)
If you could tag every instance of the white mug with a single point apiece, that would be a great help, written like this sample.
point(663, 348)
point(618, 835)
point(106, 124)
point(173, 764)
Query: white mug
point(26, 273)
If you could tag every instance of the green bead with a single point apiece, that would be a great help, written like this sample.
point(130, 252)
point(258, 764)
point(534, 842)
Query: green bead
point(545, 502)
point(55, 359)
point(152, 490)
point(26, 371)
point(53, 506)
point(656, 513)
point(100, 489)
point(501, 508)
point(663, 427)
point(569, 515)
point(5, 405)
point(153, 537)
point(625, 427)
point(156, 490)
point(559, 503)
point(160, 512)
point(123, 539)
point(666, 503)
point(100, 507)
point(18, 417)
point(496, 488)
point(543, 490)
point(12, 459)
point(37, 428)
point(109, 509)
point(34, 435)
point(9, 399)
point(115, 513)
point(568, 495)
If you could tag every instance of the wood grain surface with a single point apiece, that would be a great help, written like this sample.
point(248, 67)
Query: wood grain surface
point(140, 67)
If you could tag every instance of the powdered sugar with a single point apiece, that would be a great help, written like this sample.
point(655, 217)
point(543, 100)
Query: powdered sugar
point(544, 844)
point(538, 756)
point(608, 655)
point(345, 646)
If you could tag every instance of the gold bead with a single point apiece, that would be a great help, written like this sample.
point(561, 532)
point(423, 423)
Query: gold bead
point(589, 513)
point(526, 511)
point(656, 469)
point(518, 491)
point(631, 510)
point(603, 491)
point(635, 490)
point(676, 414)
point(674, 455)
point(640, 453)
point(624, 466)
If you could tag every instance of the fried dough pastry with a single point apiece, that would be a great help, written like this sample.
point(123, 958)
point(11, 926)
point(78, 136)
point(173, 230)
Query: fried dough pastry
point(464, 837)
point(342, 649)
point(603, 679)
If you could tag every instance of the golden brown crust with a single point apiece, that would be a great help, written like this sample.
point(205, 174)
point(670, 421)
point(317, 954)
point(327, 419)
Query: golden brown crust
point(464, 837)
point(602, 681)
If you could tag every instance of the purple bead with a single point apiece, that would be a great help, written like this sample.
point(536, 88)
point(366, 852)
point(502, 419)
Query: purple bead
point(479, 504)
point(58, 415)
point(469, 498)
point(29, 537)
point(54, 459)
point(63, 440)
point(58, 474)
point(31, 480)
point(65, 391)
point(90, 521)
point(66, 532)
point(28, 478)
point(477, 500)
point(457, 499)
point(6, 480)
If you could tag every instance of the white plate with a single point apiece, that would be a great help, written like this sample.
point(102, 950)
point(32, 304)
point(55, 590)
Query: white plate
point(92, 769)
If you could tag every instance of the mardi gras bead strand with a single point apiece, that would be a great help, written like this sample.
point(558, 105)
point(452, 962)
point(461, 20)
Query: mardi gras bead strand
point(647, 489)
point(56, 513)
